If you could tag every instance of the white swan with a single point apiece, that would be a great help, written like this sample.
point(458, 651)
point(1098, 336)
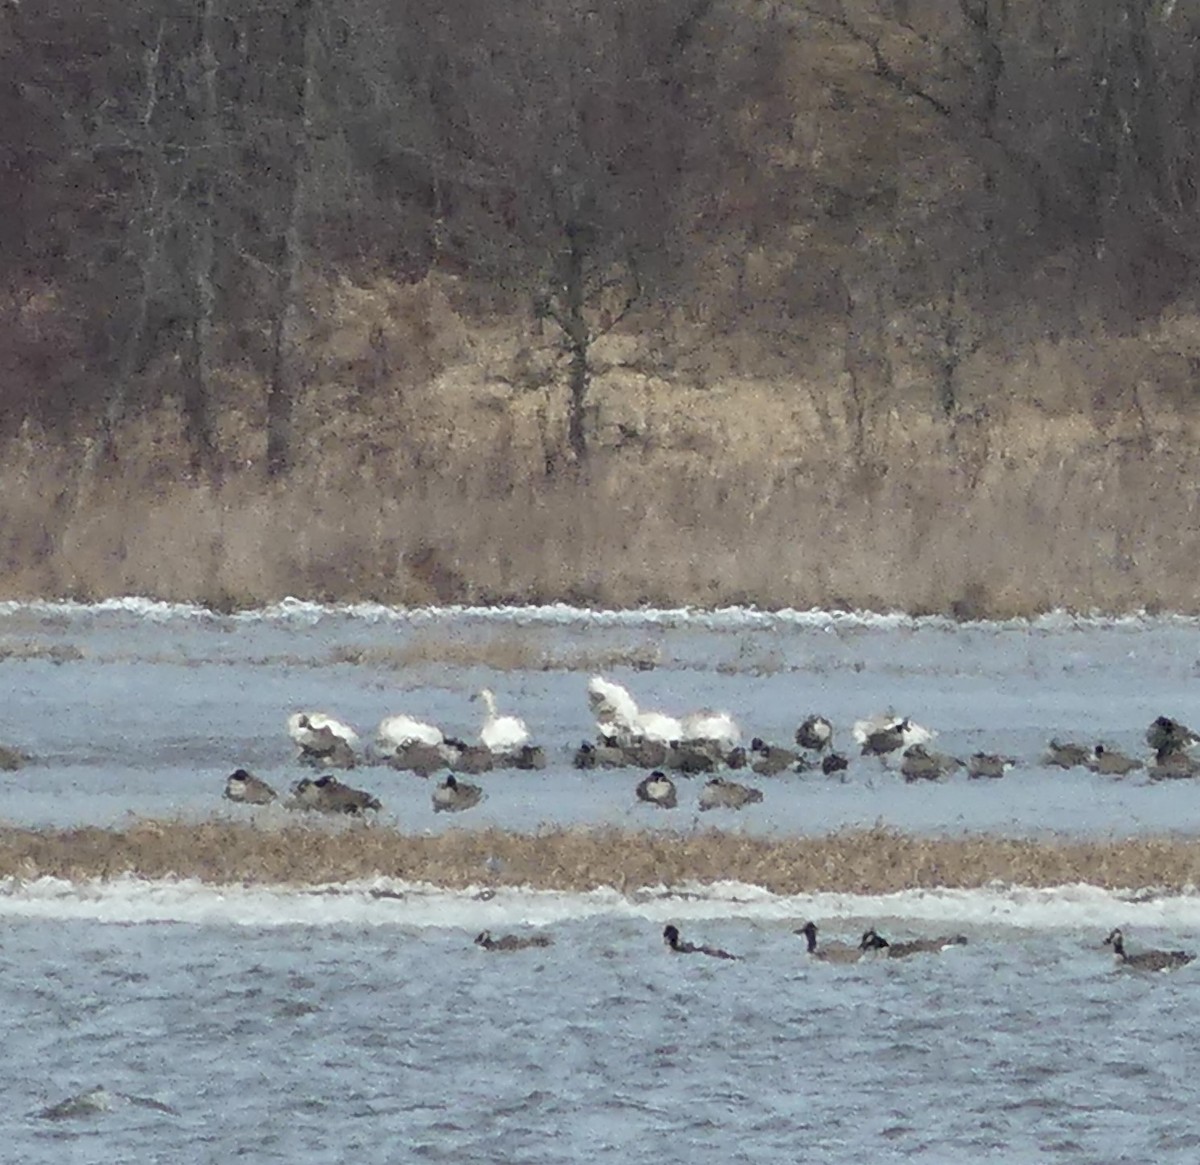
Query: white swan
point(616, 711)
point(706, 725)
point(399, 731)
point(500, 733)
point(910, 733)
point(658, 727)
point(312, 729)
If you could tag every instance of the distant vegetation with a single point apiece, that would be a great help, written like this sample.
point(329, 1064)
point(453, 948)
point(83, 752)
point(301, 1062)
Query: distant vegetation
point(883, 303)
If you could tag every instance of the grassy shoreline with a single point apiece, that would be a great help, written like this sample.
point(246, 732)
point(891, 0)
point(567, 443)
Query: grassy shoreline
point(875, 861)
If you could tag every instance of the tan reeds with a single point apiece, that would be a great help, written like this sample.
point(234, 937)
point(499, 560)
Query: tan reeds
point(874, 861)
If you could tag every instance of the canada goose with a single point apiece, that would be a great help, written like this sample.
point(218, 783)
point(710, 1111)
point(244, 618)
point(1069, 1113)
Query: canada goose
point(1146, 960)
point(511, 942)
point(1169, 766)
point(328, 795)
point(657, 789)
point(694, 757)
point(815, 734)
point(1166, 735)
point(988, 764)
point(677, 946)
point(710, 727)
point(834, 762)
point(769, 760)
point(873, 941)
point(418, 757)
point(736, 758)
point(453, 796)
point(398, 732)
point(474, 759)
point(722, 794)
point(1111, 763)
point(527, 758)
point(920, 764)
point(599, 756)
point(323, 741)
point(247, 789)
point(500, 734)
point(646, 754)
point(831, 952)
point(100, 1099)
point(1066, 756)
point(880, 735)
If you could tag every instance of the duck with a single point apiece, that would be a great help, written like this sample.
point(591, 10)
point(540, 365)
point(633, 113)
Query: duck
point(658, 789)
point(247, 789)
point(831, 952)
point(400, 731)
point(710, 727)
point(988, 765)
point(815, 734)
point(328, 795)
point(453, 796)
point(769, 760)
point(1146, 960)
point(720, 793)
point(1066, 755)
point(1112, 763)
point(919, 764)
point(872, 941)
point(1166, 735)
point(500, 734)
point(679, 947)
point(511, 942)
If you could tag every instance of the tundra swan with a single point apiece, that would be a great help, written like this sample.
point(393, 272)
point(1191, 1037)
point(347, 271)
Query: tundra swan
point(705, 725)
point(312, 730)
point(399, 731)
point(501, 734)
point(615, 709)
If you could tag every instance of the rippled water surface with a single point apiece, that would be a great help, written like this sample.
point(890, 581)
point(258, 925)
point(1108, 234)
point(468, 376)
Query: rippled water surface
point(342, 1025)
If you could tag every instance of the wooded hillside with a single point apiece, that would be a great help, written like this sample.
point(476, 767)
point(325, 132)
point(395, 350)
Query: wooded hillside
point(866, 302)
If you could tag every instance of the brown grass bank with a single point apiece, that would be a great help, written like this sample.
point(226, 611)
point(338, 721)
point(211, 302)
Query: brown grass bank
point(868, 862)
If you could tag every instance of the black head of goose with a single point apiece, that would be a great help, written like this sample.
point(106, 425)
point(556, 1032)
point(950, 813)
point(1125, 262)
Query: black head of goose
point(873, 941)
point(1146, 960)
point(658, 789)
point(247, 789)
point(1166, 736)
point(453, 795)
point(677, 946)
point(328, 795)
point(1112, 763)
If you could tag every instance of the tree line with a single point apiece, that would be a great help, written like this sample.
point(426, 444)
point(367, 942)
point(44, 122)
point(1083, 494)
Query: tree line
point(172, 173)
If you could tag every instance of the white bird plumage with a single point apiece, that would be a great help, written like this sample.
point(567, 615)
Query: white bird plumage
point(399, 731)
point(615, 709)
point(705, 725)
point(881, 722)
point(500, 733)
point(306, 729)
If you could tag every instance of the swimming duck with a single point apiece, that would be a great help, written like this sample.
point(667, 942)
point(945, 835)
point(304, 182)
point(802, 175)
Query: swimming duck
point(658, 789)
point(720, 793)
point(1112, 763)
point(511, 942)
point(247, 789)
point(831, 952)
point(328, 795)
point(815, 734)
point(873, 941)
point(1066, 756)
point(988, 764)
point(920, 764)
point(453, 796)
point(500, 734)
point(1146, 960)
point(677, 946)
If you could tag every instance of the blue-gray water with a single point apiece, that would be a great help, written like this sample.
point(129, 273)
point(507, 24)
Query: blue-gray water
point(339, 1026)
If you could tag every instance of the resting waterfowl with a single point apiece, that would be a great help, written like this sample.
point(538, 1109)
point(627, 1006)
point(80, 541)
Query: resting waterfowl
point(599, 756)
point(1170, 766)
point(709, 727)
point(988, 765)
point(657, 789)
point(815, 734)
point(658, 726)
point(474, 759)
point(10, 759)
point(880, 735)
point(694, 757)
point(247, 789)
point(831, 952)
point(1166, 735)
point(616, 711)
point(420, 758)
point(511, 942)
point(453, 796)
point(769, 760)
point(834, 762)
point(1146, 960)
point(647, 754)
point(500, 734)
point(873, 941)
point(323, 740)
point(919, 764)
point(328, 795)
point(720, 793)
point(527, 758)
point(400, 731)
point(679, 947)
point(1066, 756)
point(1112, 763)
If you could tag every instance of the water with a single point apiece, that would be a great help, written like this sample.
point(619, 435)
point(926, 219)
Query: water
point(337, 1024)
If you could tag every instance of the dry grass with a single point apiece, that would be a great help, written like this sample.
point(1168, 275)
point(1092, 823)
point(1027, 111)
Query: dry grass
point(424, 480)
point(869, 862)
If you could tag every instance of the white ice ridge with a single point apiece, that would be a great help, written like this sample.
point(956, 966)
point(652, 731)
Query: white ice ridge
point(387, 902)
point(292, 611)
